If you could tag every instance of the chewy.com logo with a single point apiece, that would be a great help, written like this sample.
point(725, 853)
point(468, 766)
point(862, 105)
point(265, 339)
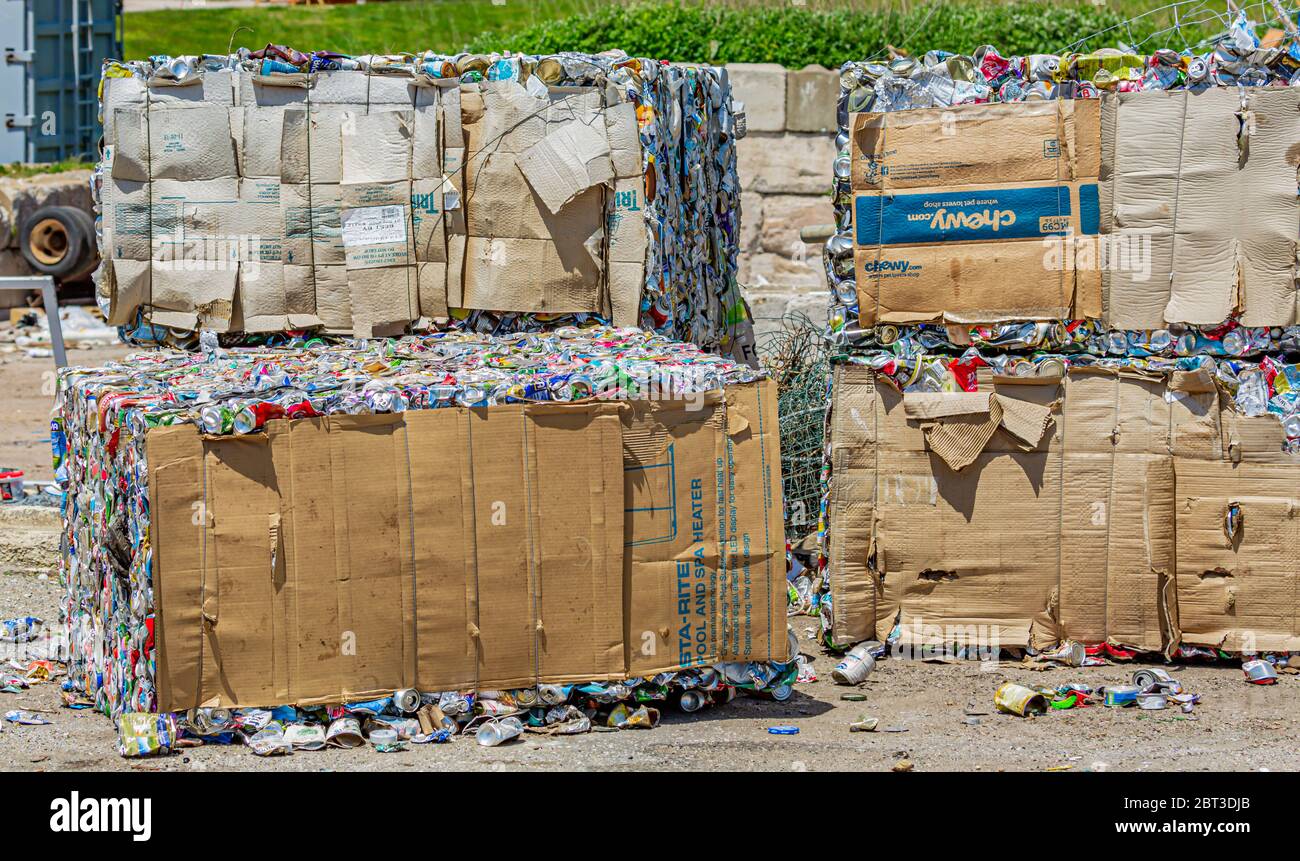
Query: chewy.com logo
point(887, 266)
point(942, 219)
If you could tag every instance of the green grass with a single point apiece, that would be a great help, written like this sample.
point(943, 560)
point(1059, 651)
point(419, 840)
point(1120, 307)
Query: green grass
point(825, 31)
point(22, 170)
point(442, 25)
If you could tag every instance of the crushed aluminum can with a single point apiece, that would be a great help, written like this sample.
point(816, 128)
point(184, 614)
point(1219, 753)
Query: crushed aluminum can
point(865, 723)
point(1154, 679)
point(553, 695)
point(209, 721)
point(1152, 700)
point(270, 741)
point(497, 731)
point(303, 736)
point(564, 720)
point(1118, 696)
point(406, 700)
point(1070, 653)
point(1259, 672)
point(643, 717)
point(370, 707)
point(145, 734)
point(692, 701)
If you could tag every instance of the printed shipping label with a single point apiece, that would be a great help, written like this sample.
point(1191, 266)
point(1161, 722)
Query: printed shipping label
point(977, 214)
point(374, 225)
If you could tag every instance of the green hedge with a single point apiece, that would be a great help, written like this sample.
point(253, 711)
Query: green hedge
point(688, 31)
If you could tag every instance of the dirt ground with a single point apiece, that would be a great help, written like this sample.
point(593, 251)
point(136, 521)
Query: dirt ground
point(26, 396)
point(1237, 727)
point(922, 708)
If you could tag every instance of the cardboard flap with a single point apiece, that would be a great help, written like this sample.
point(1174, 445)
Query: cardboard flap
point(959, 439)
point(964, 422)
point(935, 405)
point(1024, 420)
point(1193, 382)
point(567, 162)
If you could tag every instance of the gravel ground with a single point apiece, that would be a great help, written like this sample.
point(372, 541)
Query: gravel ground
point(1237, 727)
point(26, 388)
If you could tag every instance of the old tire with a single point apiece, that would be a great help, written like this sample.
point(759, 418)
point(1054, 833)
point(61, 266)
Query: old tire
point(59, 241)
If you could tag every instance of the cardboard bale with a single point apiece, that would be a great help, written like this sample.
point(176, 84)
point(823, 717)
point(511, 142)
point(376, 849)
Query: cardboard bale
point(1031, 540)
point(271, 598)
point(389, 534)
point(1143, 209)
point(1115, 527)
point(546, 202)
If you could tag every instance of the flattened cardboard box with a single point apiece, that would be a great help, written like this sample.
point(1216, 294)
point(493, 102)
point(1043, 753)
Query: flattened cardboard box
point(1142, 210)
point(1203, 184)
point(1111, 529)
point(954, 206)
point(1035, 539)
point(501, 548)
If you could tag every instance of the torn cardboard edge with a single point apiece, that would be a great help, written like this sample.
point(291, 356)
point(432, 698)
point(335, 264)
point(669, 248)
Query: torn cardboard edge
point(959, 425)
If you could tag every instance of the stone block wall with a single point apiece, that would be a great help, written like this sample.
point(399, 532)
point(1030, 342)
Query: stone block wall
point(784, 163)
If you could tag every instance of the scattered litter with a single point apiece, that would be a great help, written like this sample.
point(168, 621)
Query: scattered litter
point(25, 718)
point(856, 665)
point(499, 730)
point(1019, 700)
point(23, 629)
point(1259, 672)
point(145, 734)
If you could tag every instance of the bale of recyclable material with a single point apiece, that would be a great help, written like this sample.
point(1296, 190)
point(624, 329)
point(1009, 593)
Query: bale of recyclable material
point(1024, 501)
point(274, 191)
point(450, 512)
point(1112, 203)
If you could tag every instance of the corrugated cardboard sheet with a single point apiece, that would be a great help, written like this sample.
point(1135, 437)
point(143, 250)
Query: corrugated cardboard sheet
point(1110, 528)
point(1143, 209)
point(364, 203)
point(953, 205)
point(1208, 179)
point(336, 558)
